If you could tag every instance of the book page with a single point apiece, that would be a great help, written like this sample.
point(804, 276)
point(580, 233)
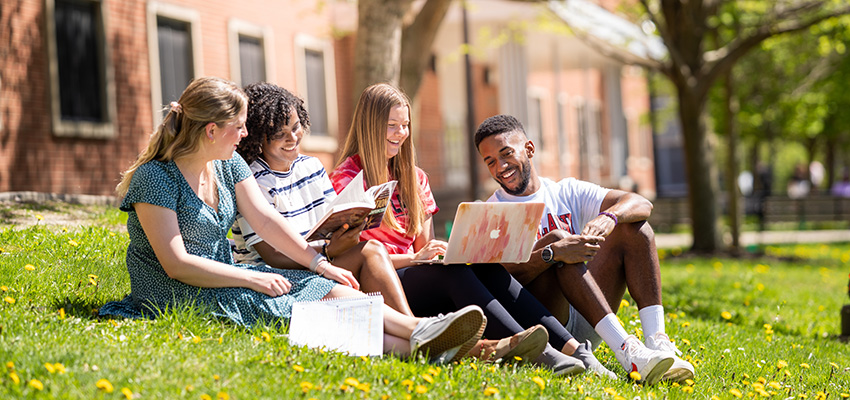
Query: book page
point(353, 325)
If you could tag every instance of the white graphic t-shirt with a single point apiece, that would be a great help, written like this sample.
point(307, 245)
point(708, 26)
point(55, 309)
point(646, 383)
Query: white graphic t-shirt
point(570, 203)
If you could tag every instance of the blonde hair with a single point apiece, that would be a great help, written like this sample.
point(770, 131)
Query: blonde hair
point(205, 100)
point(368, 138)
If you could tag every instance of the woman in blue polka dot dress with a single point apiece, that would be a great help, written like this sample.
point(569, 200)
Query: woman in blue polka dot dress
point(182, 195)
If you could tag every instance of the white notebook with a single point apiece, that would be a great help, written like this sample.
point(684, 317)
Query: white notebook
point(353, 325)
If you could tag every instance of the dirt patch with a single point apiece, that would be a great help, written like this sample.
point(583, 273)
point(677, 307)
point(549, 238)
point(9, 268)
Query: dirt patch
point(27, 213)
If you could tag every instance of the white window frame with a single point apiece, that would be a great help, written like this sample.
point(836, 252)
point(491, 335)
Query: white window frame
point(177, 13)
point(83, 129)
point(236, 28)
point(328, 143)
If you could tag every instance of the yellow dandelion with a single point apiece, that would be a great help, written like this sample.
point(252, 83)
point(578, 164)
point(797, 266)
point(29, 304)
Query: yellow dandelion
point(539, 381)
point(714, 398)
point(50, 368)
point(29, 267)
point(206, 397)
point(93, 279)
point(803, 396)
point(351, 382)
point(760, 287)
point(804, 366)
point(61, 313)
point(781, 364)
point(624, 303)
point(473, 366)
point(421, 389)
point(775, 385)
point(408, 383)
point(427, 378)
point(298, 368)
point(59, 368)
point(266, 336)
point(675, 384)
point(726, 315)
point(364, 387)
point(73, 242)
point(216, 377)
point(686, 342)
point(196, 339)
point(844, 395)
point(306, 386)
point(222, 396)
point(4, 288)
point(128, 394)
point(14, 377)
point(787, 373)
point(10, 365)
point(635, 376)
point(688, 389)
point(9, 300)
point(36, 384)
point(610, 391)
point(490, 391)
point(39, 217)
point(686, 324)
point(220, 340)
point(189, 388)
point(735, 392)
point(435, 371)
point(386, 381)
point(833, 365)
point(104, 385)
point(689, 382)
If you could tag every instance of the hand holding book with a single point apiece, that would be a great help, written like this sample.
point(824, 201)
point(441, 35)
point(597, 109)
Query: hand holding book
point(354, 206)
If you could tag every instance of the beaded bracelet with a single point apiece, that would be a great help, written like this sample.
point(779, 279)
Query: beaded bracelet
point(325, 252)
point(609, 215)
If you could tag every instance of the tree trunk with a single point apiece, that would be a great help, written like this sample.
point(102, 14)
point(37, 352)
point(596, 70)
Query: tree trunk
point(701, 172)
point(732, 166)
point(416, 41)
point(377, 48)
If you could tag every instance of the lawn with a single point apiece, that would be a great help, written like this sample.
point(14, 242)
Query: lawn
point(753, 327)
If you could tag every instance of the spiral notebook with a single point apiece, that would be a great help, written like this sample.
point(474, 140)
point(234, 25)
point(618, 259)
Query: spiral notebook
point(353, 325)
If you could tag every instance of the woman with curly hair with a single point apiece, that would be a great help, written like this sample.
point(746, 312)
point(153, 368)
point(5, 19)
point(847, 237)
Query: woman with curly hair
point(299, 188)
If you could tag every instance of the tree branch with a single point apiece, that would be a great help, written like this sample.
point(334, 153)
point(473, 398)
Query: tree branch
point(416, 41)
point(664, 31)
point(721, 60)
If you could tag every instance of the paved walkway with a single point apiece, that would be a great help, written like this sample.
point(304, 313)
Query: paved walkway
point(684, 240)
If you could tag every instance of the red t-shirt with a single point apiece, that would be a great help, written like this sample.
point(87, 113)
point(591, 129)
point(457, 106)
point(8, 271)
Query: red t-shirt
point(395, 242)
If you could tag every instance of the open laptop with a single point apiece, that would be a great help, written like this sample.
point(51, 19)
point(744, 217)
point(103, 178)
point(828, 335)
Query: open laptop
point(500, 232)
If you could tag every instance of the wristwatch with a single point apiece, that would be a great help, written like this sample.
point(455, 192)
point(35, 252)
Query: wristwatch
point(548, 255)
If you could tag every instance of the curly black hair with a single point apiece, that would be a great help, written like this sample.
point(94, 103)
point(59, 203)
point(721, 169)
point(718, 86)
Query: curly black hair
point(269, 106)
point(495, 125)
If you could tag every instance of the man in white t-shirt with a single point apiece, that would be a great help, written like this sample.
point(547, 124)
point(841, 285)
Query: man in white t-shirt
point(593, 243)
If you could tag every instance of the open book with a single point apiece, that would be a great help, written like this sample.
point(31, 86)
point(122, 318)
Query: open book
point(353, 325)
point(352, 206)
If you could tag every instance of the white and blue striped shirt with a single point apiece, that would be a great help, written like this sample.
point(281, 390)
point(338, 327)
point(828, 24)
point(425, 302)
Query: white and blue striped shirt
point(300, 195)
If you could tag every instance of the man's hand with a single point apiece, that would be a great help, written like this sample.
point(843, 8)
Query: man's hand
point(343, 239)
point(575, 249)
point(602, 225)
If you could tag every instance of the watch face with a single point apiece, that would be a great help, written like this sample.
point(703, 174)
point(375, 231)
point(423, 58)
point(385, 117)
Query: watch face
point(547, 254)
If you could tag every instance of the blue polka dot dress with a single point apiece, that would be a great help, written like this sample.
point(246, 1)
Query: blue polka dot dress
point(204, 232)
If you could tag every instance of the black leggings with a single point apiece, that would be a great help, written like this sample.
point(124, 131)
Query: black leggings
point(434, 289)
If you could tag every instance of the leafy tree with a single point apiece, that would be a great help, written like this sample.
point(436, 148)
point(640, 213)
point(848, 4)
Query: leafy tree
point(695, 63)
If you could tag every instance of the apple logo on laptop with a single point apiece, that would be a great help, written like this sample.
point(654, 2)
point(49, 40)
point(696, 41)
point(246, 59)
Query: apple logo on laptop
point(494, 234)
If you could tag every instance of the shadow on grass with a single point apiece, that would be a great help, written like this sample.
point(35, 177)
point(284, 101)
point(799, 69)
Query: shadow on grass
point(84, 308)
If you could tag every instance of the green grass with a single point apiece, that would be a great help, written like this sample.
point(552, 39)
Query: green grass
point(783, 312)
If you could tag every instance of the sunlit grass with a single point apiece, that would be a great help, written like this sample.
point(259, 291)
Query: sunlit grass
point(754, 328)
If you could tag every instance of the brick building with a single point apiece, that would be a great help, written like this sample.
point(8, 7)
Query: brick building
point(83, 82)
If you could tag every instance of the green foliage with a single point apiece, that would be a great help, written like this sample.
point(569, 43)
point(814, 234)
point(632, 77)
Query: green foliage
point(49, 333)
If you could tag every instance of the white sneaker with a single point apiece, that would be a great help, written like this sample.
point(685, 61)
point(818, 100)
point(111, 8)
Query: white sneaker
point(681, 369)
point(650, 364)
point(444, 336)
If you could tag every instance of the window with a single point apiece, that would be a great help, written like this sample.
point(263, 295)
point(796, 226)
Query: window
point(317, 85)
point(175, 55)
point(81, 81)
point(250, 53)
